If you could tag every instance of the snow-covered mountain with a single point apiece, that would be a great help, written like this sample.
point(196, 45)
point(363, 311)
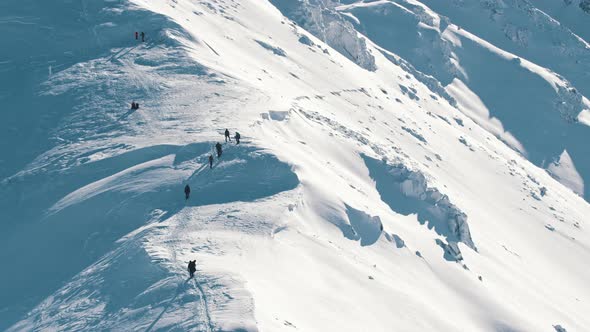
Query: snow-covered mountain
point(404, 165)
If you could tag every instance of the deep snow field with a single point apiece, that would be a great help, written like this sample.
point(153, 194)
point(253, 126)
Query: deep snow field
point(404, 165)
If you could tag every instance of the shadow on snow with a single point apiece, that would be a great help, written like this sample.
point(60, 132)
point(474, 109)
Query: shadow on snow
point(42, 250)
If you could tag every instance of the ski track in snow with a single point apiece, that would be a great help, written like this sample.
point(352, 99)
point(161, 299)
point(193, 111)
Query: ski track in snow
point(204, 305)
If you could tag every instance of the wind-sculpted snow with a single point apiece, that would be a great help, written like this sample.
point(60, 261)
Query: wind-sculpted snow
point(41, 47)
point(407, 192)
point(483, 43)
point(361, 227)
point(109, 295)
point(129, 187)
point(565, 172)
point(359, 167)
point(572, 14)
point(276, 50)
point(320, 18)
point(427, 80)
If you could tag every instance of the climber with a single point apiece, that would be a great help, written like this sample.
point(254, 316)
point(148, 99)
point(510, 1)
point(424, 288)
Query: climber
point(237, 137)
point(142, 36)
point(219, 150)
point(136, 35)
point(227, 135)
point(210, 161)
point(192, 268)
point(187, 191)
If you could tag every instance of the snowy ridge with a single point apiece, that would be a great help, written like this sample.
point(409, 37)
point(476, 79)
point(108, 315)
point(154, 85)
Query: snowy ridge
point(367, 191)
point(460, 41)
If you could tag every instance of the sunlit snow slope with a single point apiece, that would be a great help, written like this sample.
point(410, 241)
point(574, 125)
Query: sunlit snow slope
point(402, 167)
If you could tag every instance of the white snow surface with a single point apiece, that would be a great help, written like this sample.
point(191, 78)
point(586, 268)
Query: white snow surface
point(357, 200)
point(584, 117)
point(565, 171)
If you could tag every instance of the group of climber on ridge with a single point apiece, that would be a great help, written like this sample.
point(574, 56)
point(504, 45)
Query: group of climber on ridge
point(219, 150)
point(236, 136)
point(218, 147)
point(192, 265)
point(142, 36)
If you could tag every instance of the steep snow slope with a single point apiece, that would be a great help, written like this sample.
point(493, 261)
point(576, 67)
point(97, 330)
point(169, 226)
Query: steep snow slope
point(529, 70)
point(360, 198)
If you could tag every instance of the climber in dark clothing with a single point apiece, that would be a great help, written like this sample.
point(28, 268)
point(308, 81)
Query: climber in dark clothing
point(227, 136)
point(187, 191)
point(237, 137)
point(219, 150)
point(142, 36)
point(192, 268)
point(136, 35)
point(210, 161)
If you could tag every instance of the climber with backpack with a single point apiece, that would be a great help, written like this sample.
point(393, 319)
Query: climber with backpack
point(219, 149)
point(192, 268)
point(187, 191)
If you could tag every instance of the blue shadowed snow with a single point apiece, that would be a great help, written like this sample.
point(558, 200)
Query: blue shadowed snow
point(389, 188)
point(362, 226)
point(96, 230)
point(528, 107)
point(407, 193)
point(47, 38)
point(58, 223)
point(242, 174)
point(66, 76)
